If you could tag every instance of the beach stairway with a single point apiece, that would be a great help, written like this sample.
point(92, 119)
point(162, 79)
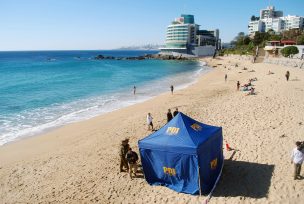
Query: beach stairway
point(261, 55)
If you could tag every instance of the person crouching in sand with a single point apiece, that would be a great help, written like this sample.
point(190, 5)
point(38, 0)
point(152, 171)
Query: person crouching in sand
point(132, 159)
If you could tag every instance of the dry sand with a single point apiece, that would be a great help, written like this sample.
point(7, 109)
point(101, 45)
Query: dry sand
point(79, 163)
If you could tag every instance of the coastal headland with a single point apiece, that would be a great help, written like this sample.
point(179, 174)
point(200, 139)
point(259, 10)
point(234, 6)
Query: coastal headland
point(145, 57)
point(79, 163)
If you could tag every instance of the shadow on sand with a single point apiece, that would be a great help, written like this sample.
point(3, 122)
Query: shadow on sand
point(245, 179)
point(140, 173)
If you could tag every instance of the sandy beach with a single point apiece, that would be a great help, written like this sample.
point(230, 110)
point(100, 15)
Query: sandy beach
point(79, 163)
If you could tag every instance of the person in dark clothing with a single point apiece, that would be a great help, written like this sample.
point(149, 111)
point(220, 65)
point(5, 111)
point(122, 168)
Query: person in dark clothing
point(132, 159)
point(287, 75)
point(238, 85)
point(175, 112)
point(169, 115)
point(171, 88)
point(226, 77)
point(122, 154)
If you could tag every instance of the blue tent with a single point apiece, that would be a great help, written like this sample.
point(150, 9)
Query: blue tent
point(184, 155)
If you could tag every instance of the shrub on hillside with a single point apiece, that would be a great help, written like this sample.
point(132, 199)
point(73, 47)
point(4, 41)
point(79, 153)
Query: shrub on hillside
point(300, 39)
point(290, 50)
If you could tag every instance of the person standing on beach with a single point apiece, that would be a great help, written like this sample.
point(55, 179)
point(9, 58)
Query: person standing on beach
point(132, 159)
point(226, 77)
point(287, 75)
point(238, 85)
point(171, 88)
point(297, 158)
point(169, 116)
point(149, 121)
point(134, 90)
point(175, 112)
point(124, 147)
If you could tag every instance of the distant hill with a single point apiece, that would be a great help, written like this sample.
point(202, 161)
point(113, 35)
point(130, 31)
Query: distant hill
point(142, 47)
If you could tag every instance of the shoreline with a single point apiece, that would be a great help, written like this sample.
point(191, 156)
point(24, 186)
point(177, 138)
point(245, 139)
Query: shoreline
point(115, 101)
point(79, 162)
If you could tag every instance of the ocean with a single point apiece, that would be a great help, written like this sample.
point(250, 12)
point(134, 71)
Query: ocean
point(42, 90)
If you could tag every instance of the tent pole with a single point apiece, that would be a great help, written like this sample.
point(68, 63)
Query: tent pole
point(199, 180)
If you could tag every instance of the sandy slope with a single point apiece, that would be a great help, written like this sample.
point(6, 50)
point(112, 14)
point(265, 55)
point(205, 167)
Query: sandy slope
point(79, 162)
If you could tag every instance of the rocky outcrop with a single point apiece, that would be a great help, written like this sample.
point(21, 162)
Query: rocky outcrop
point(147, 56)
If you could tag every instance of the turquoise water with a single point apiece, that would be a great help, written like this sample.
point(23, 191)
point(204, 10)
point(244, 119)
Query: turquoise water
point(44, 90)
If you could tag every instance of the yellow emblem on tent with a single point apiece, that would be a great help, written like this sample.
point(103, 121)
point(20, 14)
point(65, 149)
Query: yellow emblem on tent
point(213, 164)
point(170, 171)
point(172, 130)
point(196, 127)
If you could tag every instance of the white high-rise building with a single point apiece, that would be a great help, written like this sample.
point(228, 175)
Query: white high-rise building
point(274, 20)
point(291, 22)
point(270, 12)
point(185, 37)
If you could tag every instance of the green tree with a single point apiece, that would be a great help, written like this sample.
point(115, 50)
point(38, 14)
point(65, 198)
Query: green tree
point(271, 32)
point(246, 40)
point(275, 37)
point(290, 50)
point(292, 34)
point(254, 18)
point(241, 39)
point(300, 39)
point(260, 38)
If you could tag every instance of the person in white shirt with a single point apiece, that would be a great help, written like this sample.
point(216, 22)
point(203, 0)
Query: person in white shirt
point(149, 121)
point(297, 158)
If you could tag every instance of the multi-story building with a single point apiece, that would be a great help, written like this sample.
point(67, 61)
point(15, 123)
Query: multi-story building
point(255, 26)
point(291, 22)
point(270, 12)
point(184, 37)
point(181, 32)
point(274, 20)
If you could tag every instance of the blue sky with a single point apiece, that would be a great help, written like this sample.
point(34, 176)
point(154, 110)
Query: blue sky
point(108, 24)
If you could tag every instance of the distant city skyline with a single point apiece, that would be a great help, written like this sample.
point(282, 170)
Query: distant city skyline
point(96, 24)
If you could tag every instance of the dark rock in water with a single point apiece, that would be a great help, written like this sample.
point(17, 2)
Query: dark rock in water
point(141, 58)
point(146, 56)
point(99, 57)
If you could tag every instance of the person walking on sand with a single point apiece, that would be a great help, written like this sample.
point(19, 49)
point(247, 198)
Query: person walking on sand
point(297, 158)
point(169, 116)
point(175, 112)
point(149, 121)
point(287, 75)
point(226, 77)
point(124, 147)
point(171, 88)
point(238, 85)
point(132, 159)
